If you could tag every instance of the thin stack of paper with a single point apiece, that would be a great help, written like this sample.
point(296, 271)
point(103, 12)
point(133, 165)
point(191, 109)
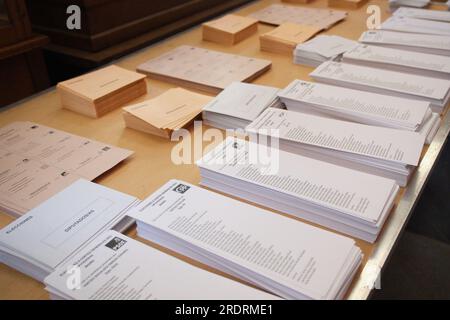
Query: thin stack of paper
point(286, 37)
point(425, 64)
point(322, 48)
point(38, 162)
point(349, 201)
point(361, 106)
point(203, 69)
point(394, 4)
point(347, 4)
point(143, 273)
point(239, 104)
point(411, 25)
point(386, 152)
point(432, 44)
point(229, 29)
point(166, 113)
point(433, 90)
point(43, 239)
point(96, 93)
point(283, 256)
point(277, 14)
point(297, 1)
point(436, 15)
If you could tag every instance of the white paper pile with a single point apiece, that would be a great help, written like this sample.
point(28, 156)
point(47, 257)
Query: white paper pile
point(286, 257)
point(386, 152)
point(433, 90)
point(411, 25)
point(346, 200)
point(425, 64)
point(433, 44)
point(361, 106)
point(322, 48)
point(43, 239)
point(143, 272)
point(239, 104)
point(437, 15)
point(394, 4)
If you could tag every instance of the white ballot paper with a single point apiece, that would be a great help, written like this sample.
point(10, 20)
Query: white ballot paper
point(38, 161)
point(116, 267)
point(322, 48)
point(411, 25)
point(286, 257)
point(433, 44)
point(342, 199)
point(382, 151)
point(360, 106)
point(424, 64)
point(239, 104)
point(427, 14)
point(436, 91)
point(45, 237)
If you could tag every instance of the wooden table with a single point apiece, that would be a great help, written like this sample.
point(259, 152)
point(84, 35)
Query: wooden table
point(151, 165)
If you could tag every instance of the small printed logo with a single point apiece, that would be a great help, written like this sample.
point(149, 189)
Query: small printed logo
point(181, 188)
point(115, 244)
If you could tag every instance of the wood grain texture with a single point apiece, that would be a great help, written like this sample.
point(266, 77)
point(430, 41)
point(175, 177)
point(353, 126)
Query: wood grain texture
point(151, 165)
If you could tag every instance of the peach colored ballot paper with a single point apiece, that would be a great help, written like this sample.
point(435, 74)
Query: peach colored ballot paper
point(231, 23)
point(292, 33)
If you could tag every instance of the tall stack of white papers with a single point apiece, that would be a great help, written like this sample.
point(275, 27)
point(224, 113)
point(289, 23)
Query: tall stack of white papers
point(239, 104)
point(143, 273)
point(43, 239)
point(425, 64)
point(385, 152)
point(408, 41)
point(349, 201)
point(411, 25)
point(322, 48)
point(436, 15)
point(38, 162)
point(286, 257)
point(394, 4)
point(433, 90)
point(361, 106)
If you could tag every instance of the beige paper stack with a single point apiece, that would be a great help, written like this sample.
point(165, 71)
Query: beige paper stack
point(229, 29)
point(98, 92)
point(166, 113)
point(347, 4)
point(286, 37)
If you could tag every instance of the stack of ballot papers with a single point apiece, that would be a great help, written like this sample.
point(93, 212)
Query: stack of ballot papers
point(203, 69)
point(166, 113)
point(48, 235)
point(346, 200)
point(412, 25)
point(322, 48)
point(386, 152)
point(38, 162)
point(348, 4)
point(277, 14)
point(285, 257)
point(433, 90)
point(437, 15)
point(433, 44)
point(394, 4)
point(361, 106)
point(286, 37)
point(98, 92)
point(239, 104)
point(229, 29)
point(425, 64)
point(143, 273)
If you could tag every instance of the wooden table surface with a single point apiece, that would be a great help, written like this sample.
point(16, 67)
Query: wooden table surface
point(151, 165)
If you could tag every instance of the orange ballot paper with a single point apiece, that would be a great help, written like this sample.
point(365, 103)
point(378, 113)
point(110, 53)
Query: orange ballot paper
point(229, 29)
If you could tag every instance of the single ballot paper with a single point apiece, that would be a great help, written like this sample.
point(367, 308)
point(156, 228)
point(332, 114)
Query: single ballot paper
point(412, 25)
point(203, 69)
point(286, 37)
point(38, 161)
point(166, 113)
point(229, 29)
point(116, 267)
point(101, 91)
point(277, 14)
